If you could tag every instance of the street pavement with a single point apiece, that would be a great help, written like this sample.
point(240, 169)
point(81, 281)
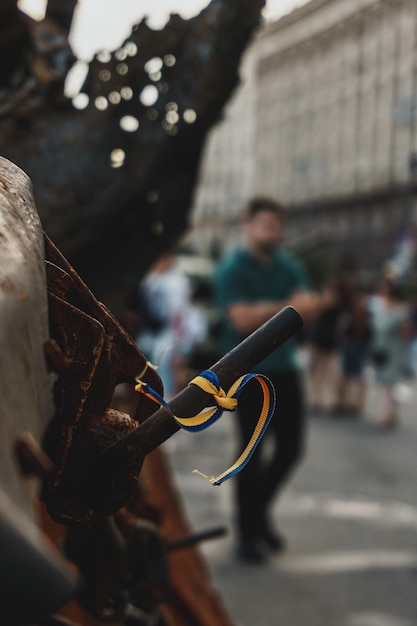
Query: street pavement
point(349, 514)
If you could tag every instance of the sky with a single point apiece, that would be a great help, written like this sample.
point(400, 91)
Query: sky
point(105, 24)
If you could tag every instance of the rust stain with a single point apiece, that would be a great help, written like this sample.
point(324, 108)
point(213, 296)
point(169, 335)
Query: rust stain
point(91, 353)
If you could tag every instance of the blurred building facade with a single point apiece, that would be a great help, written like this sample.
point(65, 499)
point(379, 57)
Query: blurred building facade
point(325, 120)
point(227, 175)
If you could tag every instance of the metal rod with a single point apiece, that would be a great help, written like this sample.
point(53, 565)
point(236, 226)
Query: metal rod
point(192, 540)
point(133, 447)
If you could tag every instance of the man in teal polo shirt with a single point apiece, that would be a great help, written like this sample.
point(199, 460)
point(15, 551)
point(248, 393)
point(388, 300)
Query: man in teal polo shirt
point(252, 284)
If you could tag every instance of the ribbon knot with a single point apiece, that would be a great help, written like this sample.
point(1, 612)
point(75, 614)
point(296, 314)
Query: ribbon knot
point(226, 403)
point(208, 382)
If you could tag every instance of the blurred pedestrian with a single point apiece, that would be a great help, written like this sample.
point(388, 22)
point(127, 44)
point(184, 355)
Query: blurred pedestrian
point(324, 341)
point(390, 333)
point(253, 283)
point(412, 341)
point(355, 339)
point(162, 304)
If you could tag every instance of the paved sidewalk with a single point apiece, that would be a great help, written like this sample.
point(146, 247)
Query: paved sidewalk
point(349, 514)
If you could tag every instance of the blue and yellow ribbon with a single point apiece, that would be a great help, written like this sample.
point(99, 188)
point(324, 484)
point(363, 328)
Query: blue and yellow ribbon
point(209, 382)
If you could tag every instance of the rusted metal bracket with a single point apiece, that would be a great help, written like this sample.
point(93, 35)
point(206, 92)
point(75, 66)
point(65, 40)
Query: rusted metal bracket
point(91, 353)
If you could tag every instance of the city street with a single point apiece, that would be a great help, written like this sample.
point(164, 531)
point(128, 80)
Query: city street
point(349, 515)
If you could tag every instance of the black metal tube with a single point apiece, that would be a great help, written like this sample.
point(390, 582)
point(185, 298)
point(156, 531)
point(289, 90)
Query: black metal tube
point(192, 540)
point(241, 360)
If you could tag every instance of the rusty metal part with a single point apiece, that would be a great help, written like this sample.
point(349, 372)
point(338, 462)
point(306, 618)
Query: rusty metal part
point(149, 578)
point(149, 581)
point(100, 552)
point(125, 569)
point(55, 357)
point(195, 538)
point(92, 354)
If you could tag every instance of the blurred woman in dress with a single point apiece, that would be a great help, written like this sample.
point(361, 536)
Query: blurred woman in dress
point(390, 333)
